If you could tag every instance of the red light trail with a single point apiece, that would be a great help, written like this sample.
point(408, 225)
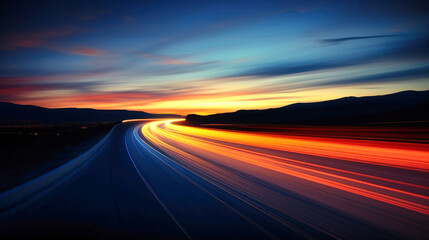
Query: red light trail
point(368, 179)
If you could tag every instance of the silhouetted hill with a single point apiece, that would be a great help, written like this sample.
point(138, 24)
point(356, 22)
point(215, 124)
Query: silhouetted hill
point(401, 106)
point(11, 113)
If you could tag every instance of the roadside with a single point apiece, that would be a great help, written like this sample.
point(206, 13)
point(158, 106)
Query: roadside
point(29, 151)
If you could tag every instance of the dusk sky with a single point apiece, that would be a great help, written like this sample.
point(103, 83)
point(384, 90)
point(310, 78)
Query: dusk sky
point(207, 57)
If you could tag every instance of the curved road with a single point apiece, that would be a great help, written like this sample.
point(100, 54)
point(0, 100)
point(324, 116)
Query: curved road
point(163, 180)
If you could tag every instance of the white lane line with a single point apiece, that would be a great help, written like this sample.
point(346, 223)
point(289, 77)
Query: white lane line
point(155, 153)
point(154, 193)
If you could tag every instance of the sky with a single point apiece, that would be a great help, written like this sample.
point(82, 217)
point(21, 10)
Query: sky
point(209, 56)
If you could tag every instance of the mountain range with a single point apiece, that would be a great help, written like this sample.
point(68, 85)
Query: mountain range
point(11, 113)
point(406, 106)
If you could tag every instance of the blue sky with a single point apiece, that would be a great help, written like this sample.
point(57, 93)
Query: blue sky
point(209, 56)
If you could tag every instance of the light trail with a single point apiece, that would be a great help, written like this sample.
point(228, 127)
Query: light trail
point(368, 179)
point(160, 179)
point(156, 195)
point(409, 159)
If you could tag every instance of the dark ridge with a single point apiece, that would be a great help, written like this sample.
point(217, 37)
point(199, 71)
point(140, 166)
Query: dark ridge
point(11, 114)
point(406, 106)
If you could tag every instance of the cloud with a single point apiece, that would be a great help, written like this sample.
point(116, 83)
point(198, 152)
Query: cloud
point(386, 77)
point(332, 41)
point(163, 59)
point(108, 97)
point(286, 69)
point(17, 85)
point(10, 41)
point(407, 74)
point(73, 81)
point(222, 24)
point(98, 100)
point(416, 49)
point(39, 40)
point(410, 49)
point(85, 51)
point(176, 62)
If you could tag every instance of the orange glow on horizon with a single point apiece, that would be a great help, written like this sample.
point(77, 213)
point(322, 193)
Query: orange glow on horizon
point(201, 102)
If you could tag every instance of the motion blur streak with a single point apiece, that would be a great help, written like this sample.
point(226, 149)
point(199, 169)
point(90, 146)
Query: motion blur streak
point(370, 180)
point(416, 160)
point(164, 180)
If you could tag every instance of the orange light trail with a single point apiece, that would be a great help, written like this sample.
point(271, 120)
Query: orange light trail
point(335, 173)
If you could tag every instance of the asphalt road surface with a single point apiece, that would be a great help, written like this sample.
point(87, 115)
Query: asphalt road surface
point(163, 180)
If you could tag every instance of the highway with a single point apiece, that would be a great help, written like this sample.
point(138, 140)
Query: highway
point(164, 180)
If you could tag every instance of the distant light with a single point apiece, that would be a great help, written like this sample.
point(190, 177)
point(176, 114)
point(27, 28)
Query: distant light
point(143, 119)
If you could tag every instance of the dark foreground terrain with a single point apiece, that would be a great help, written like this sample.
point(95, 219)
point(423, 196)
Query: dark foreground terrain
point(28, 151)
